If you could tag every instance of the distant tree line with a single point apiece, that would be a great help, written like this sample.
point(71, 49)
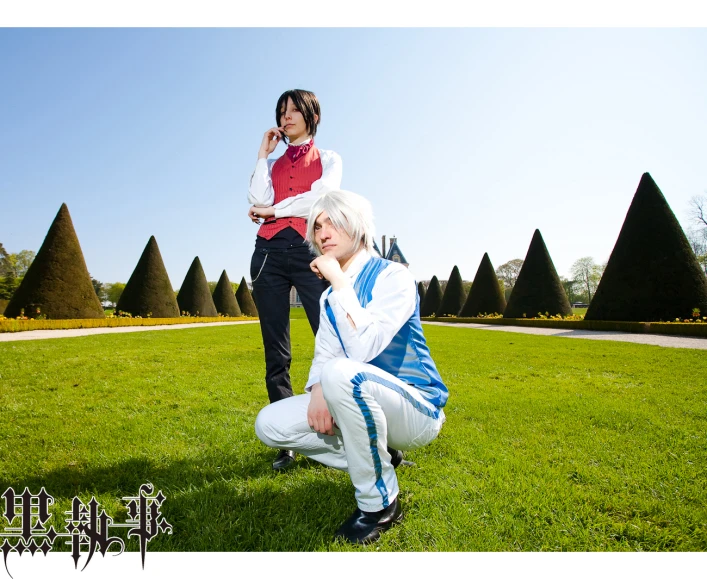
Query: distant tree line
point(697, 231)
point(13, 267)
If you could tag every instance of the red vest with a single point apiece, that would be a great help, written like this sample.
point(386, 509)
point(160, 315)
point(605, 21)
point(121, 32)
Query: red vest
point(290, 179)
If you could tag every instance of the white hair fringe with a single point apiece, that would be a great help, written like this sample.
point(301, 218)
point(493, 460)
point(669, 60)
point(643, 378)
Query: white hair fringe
point(349, 212)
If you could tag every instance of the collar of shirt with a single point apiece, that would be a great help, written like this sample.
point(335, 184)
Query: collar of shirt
point(357, 264)
point(300, 144)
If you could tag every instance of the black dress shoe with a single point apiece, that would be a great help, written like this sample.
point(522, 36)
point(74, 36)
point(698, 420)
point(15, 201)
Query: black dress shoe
point(396, 458)
point(284, 459)
point(364, 527)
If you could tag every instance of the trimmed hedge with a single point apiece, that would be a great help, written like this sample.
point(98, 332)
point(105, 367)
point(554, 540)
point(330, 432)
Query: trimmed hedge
point(195, 296)
point(245, 300)
point(421, 291)
point(433, 298)
point(3, 305)
point(454, 295)
point(149, 291)
point(538, 287)
point(57, 283)
point(698, 330)
point(485, 296)
point(225, 298)
point(652, 273)
point(11, 325)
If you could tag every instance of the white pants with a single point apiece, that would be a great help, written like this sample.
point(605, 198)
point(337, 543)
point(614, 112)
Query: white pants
point(372, 410)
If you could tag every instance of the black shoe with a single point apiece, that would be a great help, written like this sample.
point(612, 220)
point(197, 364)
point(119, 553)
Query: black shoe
point(364, 527)
point(284, 459)
point(396, 458)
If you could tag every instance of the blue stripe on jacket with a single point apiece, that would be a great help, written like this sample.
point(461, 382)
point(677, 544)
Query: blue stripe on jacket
point(407, 356)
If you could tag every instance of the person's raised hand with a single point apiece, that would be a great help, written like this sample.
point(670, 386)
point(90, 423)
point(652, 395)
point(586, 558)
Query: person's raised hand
point(270, 140)
point(326, 267)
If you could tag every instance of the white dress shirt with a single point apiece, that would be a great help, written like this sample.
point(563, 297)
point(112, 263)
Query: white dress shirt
point(393, 301)
point(262, 194)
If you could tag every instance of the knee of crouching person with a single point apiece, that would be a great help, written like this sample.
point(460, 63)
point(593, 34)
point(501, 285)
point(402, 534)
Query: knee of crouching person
point(263, 428)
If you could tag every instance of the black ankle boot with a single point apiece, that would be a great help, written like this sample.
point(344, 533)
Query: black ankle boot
point(283, 460)
point(396, 458)
point(365, 527)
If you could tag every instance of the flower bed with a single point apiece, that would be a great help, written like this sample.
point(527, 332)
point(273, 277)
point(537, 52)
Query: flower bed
point(15, 325)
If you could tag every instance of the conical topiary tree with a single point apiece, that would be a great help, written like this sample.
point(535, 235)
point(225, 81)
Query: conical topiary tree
point(149, 291)
point(652, 273)
point(225, 298)
point(194, 296)
point(454, 295)
point(433, 298)
point(57, 283)
point(538, 288)
point(245, 300)
point(485, 296)
point(421, 291)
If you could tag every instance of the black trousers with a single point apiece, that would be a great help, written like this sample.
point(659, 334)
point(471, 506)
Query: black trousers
point(274, 270)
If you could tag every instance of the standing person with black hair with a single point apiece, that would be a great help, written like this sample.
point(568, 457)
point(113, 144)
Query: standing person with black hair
point(282, 192)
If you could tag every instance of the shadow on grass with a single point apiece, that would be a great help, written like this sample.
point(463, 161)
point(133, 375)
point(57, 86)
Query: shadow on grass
point(296, 514)
point(217, 502)
point(126, 476)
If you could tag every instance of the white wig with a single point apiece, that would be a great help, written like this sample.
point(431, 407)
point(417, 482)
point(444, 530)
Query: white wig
point(348, 212)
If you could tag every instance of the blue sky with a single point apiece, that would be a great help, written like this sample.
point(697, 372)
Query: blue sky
point(464, 140)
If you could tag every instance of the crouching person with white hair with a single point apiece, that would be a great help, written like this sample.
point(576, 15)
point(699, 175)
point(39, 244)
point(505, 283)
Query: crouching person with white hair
point(373, 386)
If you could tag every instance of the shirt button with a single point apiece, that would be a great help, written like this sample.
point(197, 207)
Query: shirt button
point(293, 166)
point(291, 177)
point(290, 188)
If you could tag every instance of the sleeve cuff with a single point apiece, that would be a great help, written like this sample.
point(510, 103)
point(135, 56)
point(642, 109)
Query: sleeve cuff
point(310, 383)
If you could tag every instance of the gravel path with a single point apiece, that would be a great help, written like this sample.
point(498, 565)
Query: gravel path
point(650, 339)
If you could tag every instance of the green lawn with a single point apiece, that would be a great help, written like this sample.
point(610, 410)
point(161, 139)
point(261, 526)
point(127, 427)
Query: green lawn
point(298, 314)
point(550, 443)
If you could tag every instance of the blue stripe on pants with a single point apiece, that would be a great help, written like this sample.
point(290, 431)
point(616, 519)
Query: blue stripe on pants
point(373, 440)
point(359, 379)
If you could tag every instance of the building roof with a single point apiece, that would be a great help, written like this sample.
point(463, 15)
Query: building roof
point(375, 248)
point(394, 253)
